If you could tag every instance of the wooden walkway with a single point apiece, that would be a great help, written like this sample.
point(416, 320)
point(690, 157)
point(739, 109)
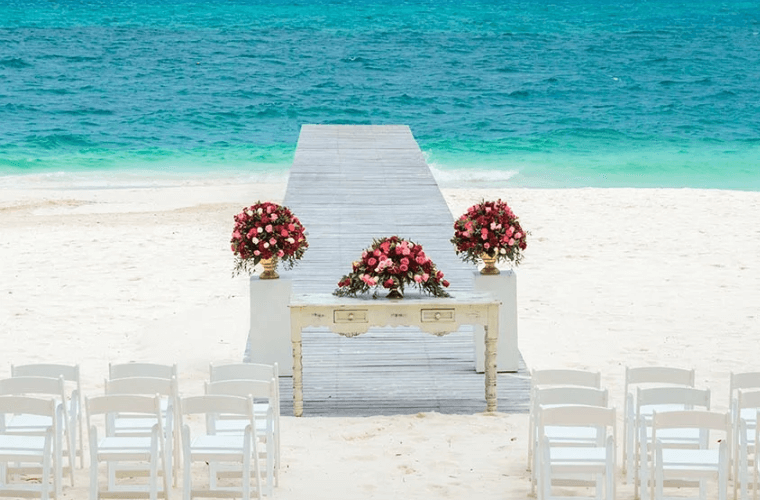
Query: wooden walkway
point(348, 185)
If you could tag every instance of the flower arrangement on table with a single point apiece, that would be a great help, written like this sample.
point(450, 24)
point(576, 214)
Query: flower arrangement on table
point(267, 232)
point(491, 232)
point(392, 263)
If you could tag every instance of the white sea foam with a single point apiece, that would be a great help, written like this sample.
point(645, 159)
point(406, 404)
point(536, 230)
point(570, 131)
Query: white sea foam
point(472, 177)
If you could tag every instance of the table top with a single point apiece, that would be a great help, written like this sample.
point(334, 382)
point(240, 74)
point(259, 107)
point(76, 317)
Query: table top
point(411, 299)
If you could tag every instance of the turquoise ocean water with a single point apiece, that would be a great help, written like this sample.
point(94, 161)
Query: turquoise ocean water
point(538, 93)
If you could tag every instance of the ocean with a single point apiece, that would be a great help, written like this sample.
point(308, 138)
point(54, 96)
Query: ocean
point(539, 93)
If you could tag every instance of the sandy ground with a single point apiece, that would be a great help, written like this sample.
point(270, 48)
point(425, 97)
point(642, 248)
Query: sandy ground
point(612, 277)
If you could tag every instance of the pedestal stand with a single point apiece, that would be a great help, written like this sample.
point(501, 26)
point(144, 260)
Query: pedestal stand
point(504, 287)
point(269, 334)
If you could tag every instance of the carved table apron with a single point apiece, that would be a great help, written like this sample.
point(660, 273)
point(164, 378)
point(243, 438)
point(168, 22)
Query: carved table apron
point(353, 316)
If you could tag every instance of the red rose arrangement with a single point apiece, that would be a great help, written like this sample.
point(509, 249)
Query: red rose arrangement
point(266, 230)
point(392, 263)
point(491, 228)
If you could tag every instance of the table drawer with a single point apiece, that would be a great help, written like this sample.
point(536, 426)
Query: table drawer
point(350, 316)
point(438, 315)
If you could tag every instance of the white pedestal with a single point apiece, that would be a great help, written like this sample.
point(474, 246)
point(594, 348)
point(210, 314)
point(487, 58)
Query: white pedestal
point(504, 287)
point(269, 335)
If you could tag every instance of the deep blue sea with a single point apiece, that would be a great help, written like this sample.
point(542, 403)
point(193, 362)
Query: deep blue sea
point(534, 93)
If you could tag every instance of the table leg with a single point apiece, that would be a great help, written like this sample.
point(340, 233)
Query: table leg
point(490, 369)
point(297, 379)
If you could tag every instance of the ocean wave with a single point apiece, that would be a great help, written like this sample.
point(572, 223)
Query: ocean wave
point(14, 62)
point(472, 177)
point(56, 141)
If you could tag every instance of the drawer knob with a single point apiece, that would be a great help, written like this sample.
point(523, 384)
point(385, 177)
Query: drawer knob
point(350, 316)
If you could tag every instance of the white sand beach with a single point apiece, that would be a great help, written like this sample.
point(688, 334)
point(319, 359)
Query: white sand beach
point(612, 277)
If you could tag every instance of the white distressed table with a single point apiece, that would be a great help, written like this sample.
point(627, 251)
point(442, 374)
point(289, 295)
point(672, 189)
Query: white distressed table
point(353, 316)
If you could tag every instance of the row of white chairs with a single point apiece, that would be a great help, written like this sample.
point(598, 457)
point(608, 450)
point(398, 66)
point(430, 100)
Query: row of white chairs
point(137, 428)
point(666, 421)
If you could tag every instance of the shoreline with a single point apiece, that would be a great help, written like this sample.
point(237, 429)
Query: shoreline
point(612, 277)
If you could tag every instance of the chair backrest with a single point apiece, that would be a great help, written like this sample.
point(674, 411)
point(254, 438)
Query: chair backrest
point(123, 403)
point(142, 385)
point(243, 388)
point(565, 377)
point(660, 375)
point(217, 403)
point(747, 399)
point(588, 396)
point(126, 370)
point(27, 405)
point(689, 397)
point(577, 416)
point(34, 385)
point(691, 419)
point(243, 371)
point(69, 373)
point(743, 380)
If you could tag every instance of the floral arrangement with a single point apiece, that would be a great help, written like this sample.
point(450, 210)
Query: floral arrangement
point(266, 230)
point(392, 263)
point(490, 228)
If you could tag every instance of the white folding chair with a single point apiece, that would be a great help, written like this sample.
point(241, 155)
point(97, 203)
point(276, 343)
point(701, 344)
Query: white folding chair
point(70, 374)
point(741, 381)
point(549, 397)
point(645, 377)
point(661, 400)
point(42, 450)
point(683, 466)
point(256, 371)
point(578, 465)
point(745, 451)
point(139, 425)
point(206, 448)
point(559, 377)
point(117, 450)
point(38, 425)
point(153, 370)
point(221, 424)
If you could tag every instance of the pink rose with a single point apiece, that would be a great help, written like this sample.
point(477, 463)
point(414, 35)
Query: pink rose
point(268, 228)
point(417, 278)
point(291, 227)
point(280, 253)
point(372, 261)
point(388, 283)
point(256, 253)
point(511, 242)
point(403, 268)
point(425, 277)
point(283, 233)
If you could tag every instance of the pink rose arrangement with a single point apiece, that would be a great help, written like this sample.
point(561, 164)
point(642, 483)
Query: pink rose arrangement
point(266, 230)
point(392, 263)
point(491, 228)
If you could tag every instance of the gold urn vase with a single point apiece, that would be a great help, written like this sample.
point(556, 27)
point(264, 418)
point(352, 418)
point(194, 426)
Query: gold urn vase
point(270, 269)
point(490, 265)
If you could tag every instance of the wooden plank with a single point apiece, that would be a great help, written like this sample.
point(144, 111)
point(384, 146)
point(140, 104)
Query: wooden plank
point(349, 184)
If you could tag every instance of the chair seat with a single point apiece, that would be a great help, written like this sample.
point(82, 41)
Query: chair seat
point(646, 411)
point(134, 447)
point(565, 455)
point(674, 437)
point(223, 444)
point(22, 447)
point(27, 423)
point(674, 459)
point(557, 434)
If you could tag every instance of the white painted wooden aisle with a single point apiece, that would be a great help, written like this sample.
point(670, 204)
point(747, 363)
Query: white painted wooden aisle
point(350, 184)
